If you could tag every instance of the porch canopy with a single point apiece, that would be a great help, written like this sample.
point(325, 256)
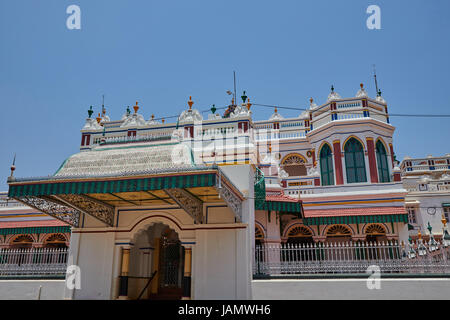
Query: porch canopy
point(95, 182)
point(355, 215)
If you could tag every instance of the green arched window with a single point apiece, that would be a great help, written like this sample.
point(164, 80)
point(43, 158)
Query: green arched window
point(326, 166)
point(354, 161)
point(382, 162)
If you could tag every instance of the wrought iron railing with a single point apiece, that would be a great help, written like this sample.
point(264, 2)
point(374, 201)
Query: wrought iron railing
point(33, 262)
point(351, 258)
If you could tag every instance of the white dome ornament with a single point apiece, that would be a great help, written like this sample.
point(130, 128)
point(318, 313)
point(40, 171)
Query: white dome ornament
point(191, 115)
point(91, 124)
point(133, 120)
point(362, 93)
point(312, 104)
point(276, 115)
point(380, 98)
point(152, 121)
point(333, 95)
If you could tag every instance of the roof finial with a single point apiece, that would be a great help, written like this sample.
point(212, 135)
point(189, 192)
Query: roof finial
point(162, 120)
point(99, 118)
point(244, 97)
point(128, 110)
point(13, 167)
point(332, 88)
point(136, 107)
point(213, 109)
point(444, 220)
point(90, 112)
point(153, 117)
point(276, 110)
point(103, 105)
point(248, 104)
point(190, 103)
point(361, 85)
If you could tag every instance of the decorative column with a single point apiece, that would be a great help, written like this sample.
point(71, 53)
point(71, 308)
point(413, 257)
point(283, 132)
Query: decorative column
point(187, 274)
point(372, 160)
point(338, 162)
point(123, 279)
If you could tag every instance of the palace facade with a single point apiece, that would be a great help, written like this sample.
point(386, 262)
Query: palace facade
point(175, 209)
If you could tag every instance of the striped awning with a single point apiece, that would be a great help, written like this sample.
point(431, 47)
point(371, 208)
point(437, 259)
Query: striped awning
point(356, 219)
point(294, 207)
point(113, 186)
point(38, 230)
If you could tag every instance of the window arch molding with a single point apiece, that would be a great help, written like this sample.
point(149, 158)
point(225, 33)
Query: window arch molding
point(338, 230)
point(355, 160)
point(326, 164)
point(287, 157)
point(294, 164)
point(375, 229)
point(259, 232)
point(354, 137)
point(298, 231)
point(381, 155)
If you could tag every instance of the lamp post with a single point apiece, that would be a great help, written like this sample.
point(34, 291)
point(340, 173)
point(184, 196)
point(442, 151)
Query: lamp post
point(432, 243)
point(445, 234)
point(421, 249)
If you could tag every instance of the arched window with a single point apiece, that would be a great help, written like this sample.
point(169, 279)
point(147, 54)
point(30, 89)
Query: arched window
point(383, 168)
point(338, 233)
point(354, 161)
point(294, 165)
point(22, 241)
point(259, 236)
point(56, 241)
point(326, 166)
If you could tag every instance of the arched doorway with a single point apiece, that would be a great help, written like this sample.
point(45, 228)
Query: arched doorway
point(338, 233)
point(157, 264)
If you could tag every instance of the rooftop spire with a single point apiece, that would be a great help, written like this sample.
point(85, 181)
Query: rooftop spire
point(136, 107)
point(190, 103)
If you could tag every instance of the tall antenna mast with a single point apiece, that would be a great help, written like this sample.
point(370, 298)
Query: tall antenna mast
point(234, 78)
point(103, 104)
point(375, 77)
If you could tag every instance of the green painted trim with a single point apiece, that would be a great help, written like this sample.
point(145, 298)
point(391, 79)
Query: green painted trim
point(113, 186)
point(356, 219)
point(446, 205)
point(32, 230)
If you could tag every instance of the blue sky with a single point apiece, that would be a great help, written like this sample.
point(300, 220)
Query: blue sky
point(161, 52)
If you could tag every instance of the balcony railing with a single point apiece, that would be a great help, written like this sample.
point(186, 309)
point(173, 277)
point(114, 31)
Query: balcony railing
point(33, 262)
point(350, 258)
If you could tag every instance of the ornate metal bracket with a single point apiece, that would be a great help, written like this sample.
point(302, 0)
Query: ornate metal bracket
point(231, 199)
point(53, 207)
point(192, 205)
point(93, 207)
